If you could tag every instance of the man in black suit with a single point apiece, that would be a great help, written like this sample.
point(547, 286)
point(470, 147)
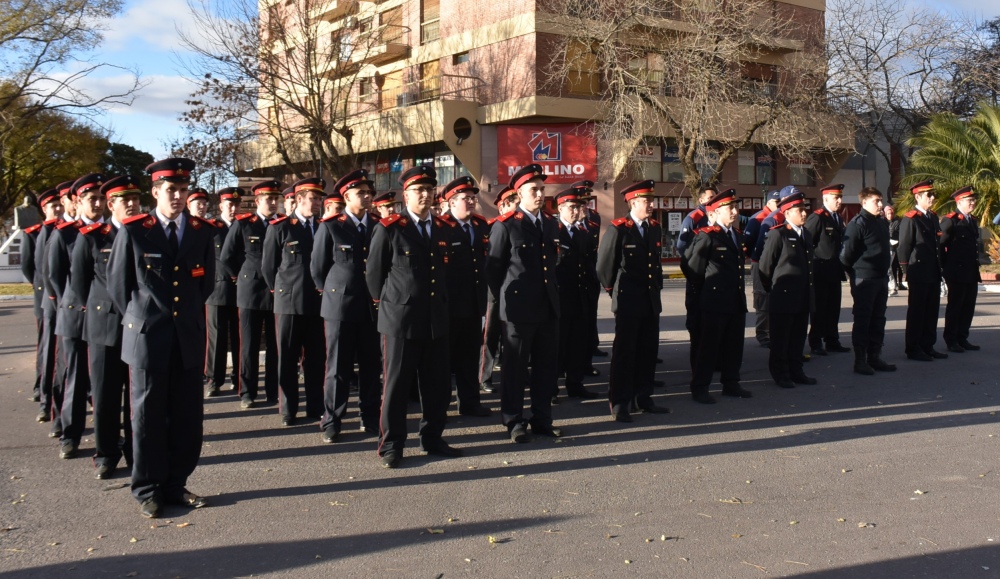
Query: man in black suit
point(241, 256)
point(960, 246)
point(466, 279)
point(521, 273)
point(160, 272)
point(717, 264)
point(506, 200)
point(52, 382)
point(221, 310)
point(590, 221)
point(102, 329)
point(29, 247)
point(918, 256)
point(628, 267)
point(86, 192)
point(785, 268)
point(826, 232)
point(52, 211)
point(285, 266)
point(337, 266)
point(866, 257)
point(406, 276)
point(577, 298)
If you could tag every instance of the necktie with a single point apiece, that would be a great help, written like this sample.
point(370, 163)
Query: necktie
point(172, 237)
point(468, 233)
point(361, 229)
point(732, 235)
point(642, 229)
point(423, 229)
point(305, 223)
point(538, 225)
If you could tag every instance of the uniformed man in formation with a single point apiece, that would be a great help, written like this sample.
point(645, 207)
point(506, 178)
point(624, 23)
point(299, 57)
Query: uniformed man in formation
point(826, 231)
point(52, 210)
point(960, 244)
point(919, 230)
point(221, 309)
point(489, 354)
point(751, 234)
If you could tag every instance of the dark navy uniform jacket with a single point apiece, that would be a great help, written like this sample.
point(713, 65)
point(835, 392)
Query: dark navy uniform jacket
point(225, 284)
point(576, 272)
point(918, 246)
point(628, 267)
point(752, 230)
point(89, 282)
point(774, 219)
point(521, 267)
point(866, 252)
point(32, 275)
point(161, 294)
point(466, 271)
point(786, 270)
point(692, 222)
point(959, 248)
point(338, 263)
point(70, 307)
point(717, 268)
point(406, 276)
point(827, 237)
point(48, 297)
point(285, 266)
point(241, 256)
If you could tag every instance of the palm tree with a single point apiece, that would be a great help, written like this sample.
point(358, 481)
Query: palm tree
point(956, 152)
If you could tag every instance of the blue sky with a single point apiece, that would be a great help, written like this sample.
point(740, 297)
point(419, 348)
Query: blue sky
point(142, 37)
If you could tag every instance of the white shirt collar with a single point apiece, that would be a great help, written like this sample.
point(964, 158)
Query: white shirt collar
point(416, 219)
point(637, 220)
point(795, 228)
point(164, 222)
point(302, 219)
point(357, 222)
point(534, 218)
point(116, 223)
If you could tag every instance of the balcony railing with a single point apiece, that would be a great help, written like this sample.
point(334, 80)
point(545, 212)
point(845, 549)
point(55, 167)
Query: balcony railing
point(335, 10)
point(382, 45)
point(444, 86)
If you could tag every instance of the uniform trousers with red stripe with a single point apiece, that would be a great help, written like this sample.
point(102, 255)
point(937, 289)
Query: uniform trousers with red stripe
point(300, 339)
point(223, 326)
point(426, 361)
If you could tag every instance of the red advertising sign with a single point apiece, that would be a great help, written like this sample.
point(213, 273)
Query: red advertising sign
point(566, 152)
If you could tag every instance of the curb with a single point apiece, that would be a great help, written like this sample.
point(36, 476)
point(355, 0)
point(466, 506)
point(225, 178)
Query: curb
point(28, 297)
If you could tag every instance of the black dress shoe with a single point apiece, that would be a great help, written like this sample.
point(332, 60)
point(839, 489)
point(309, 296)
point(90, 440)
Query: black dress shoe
point(68, 449)
point(546, 430)
point(703, 398)
point(622, 416)
point(581, 392)
point(903, 287)
point(955, 348)
point(519, 433)
point(392, 458)
point(659, 360)
point(487, 388)
point(836, 347)
point(819, 351)
point(965, 344)
point(55, 431)
point(211, 392)
point(599, 353)
point(653, 409)
point(104, 471)
point(246, 404)
point(935, 354)
point(151, 508)
point(555, 400)
point(736, 392)
point(188, 499)
point(479, 411)
point(372, 430)
point(593, 372)
point(442, 448)
point(919, 355)
point(803, 379)
point(288, 421)
point(330, 435)
point(36, 397)
point(42, 417)
point(785, 383)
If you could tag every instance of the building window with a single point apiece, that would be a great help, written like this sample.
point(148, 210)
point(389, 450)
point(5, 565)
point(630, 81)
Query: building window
point(746, 159)
point(765, 166)
point(430, 15)
point(648, 163)
point(430, 80)
point(673, 170)
point(756, 166)
point(801, 172)
point(707, 160)
point(460, 58)
point(648, 71)
point(584, 77)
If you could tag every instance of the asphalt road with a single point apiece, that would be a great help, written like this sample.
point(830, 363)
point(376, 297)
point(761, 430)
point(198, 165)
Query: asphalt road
point(893, 475)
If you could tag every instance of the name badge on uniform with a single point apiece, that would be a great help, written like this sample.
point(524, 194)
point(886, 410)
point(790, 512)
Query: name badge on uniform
point(345, 247)
point(564, 246)
point(627, 246)
point(254, 238)
point(456, 243)
point(198, 272)
point(108, 250)
point(156, 255)
point(290, 243)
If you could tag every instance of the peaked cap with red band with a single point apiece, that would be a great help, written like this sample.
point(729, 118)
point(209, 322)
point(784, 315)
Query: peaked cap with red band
point(120, 186)
point(288, 192)
point(317, 184)
point(525, 174)
point(231, 194)
point(270, 187)
point(175, 170)
point(421, 174)
point(196, 194)
point(351, 180)
point(837, 189)
point(504, 193)
point(48, 196)
point(88, 182)
point(65, 189)
point(796, 199)
point(464, 184)
point(964, 192)
point(727, 197)
point(570, 195)
point(922, 187)
point(387, 198)
point(645, 188)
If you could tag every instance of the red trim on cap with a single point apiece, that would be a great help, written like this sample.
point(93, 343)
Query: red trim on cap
point(89, 187)
point(158, 175)
point(410, 181)
point(527, 177)
point(266, 191)
point(833, 191)
point(308, 187)
point(350, 184)
point(791, 204)
point(964, 194)
point(638, 193)
point(922, 189)
point(123, 190)
point(721, 203)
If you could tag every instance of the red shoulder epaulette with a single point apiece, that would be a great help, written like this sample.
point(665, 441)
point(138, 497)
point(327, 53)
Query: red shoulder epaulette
point(325, 219)
point(654, 222)
point(341, 217)
point(479, 217)
point(491, 221)
point(444, 216)
point(442, 219)
point(706, 229)
point(135, 218)
point(788, 226)
point(33, 228)
point(243, 216)
point(391, 219)
point(820, 211)
point(92, 227)
point(278, 220)
point(952, 215)
point(218, 223)
point(66, 224)
point(912, 213)
point(622, 221)
point(52, 221)
point(697, 214)
point(506, 216)
point(559, 223)
point(197, 222)
point(592, 224)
